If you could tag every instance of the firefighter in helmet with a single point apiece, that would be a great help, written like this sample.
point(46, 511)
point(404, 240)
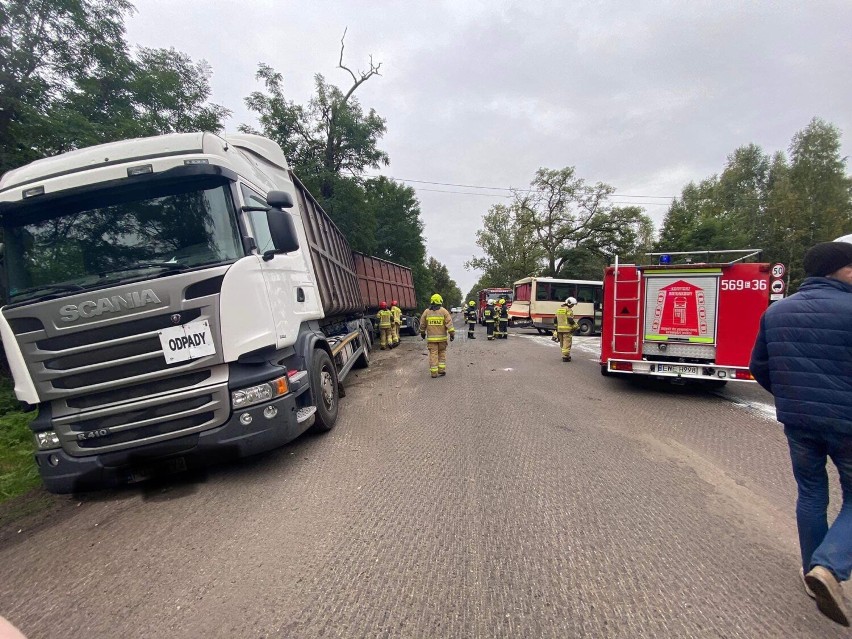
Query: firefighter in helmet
point(385, 318)
point(565, 327)
point(504, 319)
point(470, 318)
point(490, 317)
point(396, 320)
point(436, 326)
point(497, 319)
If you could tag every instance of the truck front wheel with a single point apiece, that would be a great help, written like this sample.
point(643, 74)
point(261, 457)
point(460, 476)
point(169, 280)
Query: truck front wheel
point(325, 390)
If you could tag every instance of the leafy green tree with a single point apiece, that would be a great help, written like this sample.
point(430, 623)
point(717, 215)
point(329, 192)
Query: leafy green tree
point(443, 284)
point(45, 47)
point(819, 188)
point(399, 227)
point(510, 252)
point(623, 231)
point(783, 207)
point(695, 221)
point(399, 231)
point(481, 283)
point(329, 138)
point(67, 80)
point(560, 210)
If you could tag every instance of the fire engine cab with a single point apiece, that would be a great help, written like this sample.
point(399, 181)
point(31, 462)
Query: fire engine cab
point(681, 321)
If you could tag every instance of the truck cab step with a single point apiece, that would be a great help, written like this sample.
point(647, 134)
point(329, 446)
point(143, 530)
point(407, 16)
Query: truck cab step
point(306, 413)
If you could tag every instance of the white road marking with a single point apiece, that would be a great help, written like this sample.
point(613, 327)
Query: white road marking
point(592, 346)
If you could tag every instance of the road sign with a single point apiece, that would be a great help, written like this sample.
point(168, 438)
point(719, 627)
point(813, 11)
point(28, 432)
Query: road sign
point(777, 286)
point(778, 270)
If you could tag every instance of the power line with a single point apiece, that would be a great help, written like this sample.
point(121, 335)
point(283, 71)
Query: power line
point(511, 189)
point(500, 195)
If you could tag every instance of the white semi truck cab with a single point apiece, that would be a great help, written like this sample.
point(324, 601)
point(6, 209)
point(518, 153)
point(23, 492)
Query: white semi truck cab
point(171, 301)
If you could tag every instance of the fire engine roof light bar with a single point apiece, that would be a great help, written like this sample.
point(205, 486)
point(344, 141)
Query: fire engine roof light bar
point(747, 253)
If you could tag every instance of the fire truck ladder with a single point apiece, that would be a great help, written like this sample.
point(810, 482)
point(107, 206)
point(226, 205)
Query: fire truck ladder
point(625, 296)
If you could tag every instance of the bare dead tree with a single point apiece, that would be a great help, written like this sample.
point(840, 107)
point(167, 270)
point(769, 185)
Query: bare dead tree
point(362, 76)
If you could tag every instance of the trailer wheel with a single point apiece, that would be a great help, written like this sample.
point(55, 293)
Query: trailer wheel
point(363, 360)
point(585, 327)
point(413, 329)
point(325, 390)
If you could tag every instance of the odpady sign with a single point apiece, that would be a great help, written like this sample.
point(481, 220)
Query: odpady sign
point(189, 341)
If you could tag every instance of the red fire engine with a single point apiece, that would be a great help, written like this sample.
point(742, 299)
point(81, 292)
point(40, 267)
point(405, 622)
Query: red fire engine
point(492, 294)
point(686, 321)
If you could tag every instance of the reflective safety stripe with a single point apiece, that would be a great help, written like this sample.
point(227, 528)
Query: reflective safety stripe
point(562, 315)
point(440, 338)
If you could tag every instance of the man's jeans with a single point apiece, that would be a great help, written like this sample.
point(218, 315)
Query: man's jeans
point(821, 545)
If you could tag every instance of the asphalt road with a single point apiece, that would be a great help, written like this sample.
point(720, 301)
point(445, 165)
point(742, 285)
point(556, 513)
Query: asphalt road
point(519, 496)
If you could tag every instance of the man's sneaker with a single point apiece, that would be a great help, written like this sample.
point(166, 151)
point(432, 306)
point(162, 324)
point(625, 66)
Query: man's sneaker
point(434, 374)
point(808, 591)
point(471, 336)
point(829, 594)
point(442, 373)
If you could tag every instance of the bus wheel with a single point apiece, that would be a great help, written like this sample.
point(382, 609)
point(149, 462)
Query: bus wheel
point(585, 327)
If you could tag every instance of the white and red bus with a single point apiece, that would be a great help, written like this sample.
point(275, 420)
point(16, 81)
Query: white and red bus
point(538, 298)
point(686, 321)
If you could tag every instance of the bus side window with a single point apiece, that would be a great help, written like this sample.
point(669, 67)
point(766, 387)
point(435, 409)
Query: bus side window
point(586, 294)
point(560, 292)
point(542, 292)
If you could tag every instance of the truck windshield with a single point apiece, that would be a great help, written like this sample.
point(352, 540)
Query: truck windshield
point(101, 238)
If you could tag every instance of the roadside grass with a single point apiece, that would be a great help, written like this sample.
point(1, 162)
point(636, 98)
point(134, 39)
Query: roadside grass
point(18, 472)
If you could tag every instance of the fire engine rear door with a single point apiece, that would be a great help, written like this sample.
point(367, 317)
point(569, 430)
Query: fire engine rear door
point(680, 306)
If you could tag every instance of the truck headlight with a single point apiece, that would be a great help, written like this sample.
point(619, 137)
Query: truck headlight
point(260, 393)
point(47, 440)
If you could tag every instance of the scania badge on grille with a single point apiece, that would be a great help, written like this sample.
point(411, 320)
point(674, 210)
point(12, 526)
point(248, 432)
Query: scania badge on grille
point(176, 318)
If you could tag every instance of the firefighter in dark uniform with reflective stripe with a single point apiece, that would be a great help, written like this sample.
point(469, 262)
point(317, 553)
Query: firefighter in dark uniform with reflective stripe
point(489, 316)
point(470, 318)
point(504, 319)
point(496, 319)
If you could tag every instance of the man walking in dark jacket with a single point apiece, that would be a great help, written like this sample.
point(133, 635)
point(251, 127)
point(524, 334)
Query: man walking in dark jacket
point(803, 356)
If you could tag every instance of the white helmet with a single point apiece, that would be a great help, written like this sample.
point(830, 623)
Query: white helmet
point(571, 301)
point(845, 238)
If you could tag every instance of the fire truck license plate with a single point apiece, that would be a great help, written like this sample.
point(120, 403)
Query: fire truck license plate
point(679, 370)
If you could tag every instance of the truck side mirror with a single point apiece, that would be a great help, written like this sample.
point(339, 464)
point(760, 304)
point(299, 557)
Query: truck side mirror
point(283, 232)
point(279, 200)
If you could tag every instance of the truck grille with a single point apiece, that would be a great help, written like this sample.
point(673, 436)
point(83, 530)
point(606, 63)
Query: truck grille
point(143, 421)
point(107, 380)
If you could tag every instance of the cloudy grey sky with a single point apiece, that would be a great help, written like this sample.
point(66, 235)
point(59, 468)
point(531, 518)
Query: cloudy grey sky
point(644, 95)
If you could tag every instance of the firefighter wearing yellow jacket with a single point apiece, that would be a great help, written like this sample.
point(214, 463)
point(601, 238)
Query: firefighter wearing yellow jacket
point(397, 321)
point(496, 314)
point(565, 327)
point(385, 318)
point(436, 324)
